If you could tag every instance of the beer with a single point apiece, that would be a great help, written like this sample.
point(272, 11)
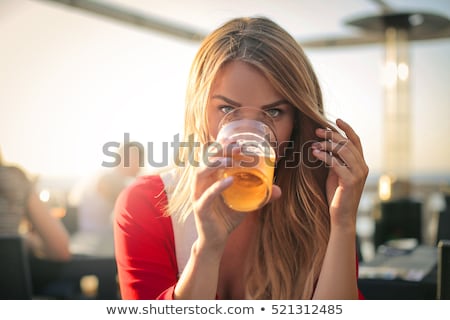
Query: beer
point(250, 130)
point(250, 189)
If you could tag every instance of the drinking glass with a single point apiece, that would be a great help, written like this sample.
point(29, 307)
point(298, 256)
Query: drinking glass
point(251, 131)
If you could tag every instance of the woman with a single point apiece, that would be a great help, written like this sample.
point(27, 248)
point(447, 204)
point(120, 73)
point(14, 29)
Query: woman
point(20, 203)
point(174, 237)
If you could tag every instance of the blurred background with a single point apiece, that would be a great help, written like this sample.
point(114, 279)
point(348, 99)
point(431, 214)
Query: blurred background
point(76, 77)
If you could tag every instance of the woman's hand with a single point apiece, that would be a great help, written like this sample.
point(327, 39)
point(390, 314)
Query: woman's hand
point(213, 225)
point(214, 219)
point(347, 175)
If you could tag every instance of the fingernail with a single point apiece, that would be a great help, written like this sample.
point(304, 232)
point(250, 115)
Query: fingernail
point(228, 180)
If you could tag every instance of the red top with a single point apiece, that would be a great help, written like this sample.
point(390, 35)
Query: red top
point(144, 242)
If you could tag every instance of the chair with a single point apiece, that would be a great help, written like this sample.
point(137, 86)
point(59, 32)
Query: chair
point(443, 276)
point(400, 218)
point(63, 280)
point(70, 219)
point(15, 275)
point(443, 231)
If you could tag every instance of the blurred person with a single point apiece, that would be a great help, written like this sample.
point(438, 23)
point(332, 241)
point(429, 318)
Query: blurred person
point(97, 198)
point(174, 236)
point(20, 205)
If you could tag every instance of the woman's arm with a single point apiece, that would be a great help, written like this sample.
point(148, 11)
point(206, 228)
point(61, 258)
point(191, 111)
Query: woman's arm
point(50, 235)
point(200, 277)
point(345, 184)
point(338, 276)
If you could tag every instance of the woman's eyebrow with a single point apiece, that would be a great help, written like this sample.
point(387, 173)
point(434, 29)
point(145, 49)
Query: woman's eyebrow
point(275, 104)
point(227, 100)
point(237, 104)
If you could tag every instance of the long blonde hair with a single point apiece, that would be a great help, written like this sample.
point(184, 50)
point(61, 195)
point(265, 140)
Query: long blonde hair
point(293, 231)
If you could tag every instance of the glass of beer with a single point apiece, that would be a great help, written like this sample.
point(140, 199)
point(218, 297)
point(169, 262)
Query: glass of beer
point(251, 132)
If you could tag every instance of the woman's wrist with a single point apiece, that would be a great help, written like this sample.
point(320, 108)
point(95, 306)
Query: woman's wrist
point(345, 228)
point(210, 253)
point(200, 276)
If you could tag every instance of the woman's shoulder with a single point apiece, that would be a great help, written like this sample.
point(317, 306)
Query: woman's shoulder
point(149, 192)
point(14, 180)
point(142, 204)
point(148, 189)
point(13, 172)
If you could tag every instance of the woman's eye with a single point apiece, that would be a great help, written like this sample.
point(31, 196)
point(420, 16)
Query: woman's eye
point(226, 109)
point(274, 112)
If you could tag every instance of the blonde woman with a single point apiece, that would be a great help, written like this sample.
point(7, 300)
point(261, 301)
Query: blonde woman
point(175, 240)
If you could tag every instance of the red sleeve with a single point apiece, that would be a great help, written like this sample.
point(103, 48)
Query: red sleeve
point(144, 242)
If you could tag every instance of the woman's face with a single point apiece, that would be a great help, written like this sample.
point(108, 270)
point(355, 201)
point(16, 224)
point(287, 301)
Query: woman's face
point(239, 84)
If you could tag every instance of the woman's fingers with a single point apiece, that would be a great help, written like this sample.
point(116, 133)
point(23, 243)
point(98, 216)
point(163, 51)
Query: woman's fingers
point(208, 173)
point(210, 194)
point(341, 152)
point(276, 193)
point(332, 161)
point(351, 134)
